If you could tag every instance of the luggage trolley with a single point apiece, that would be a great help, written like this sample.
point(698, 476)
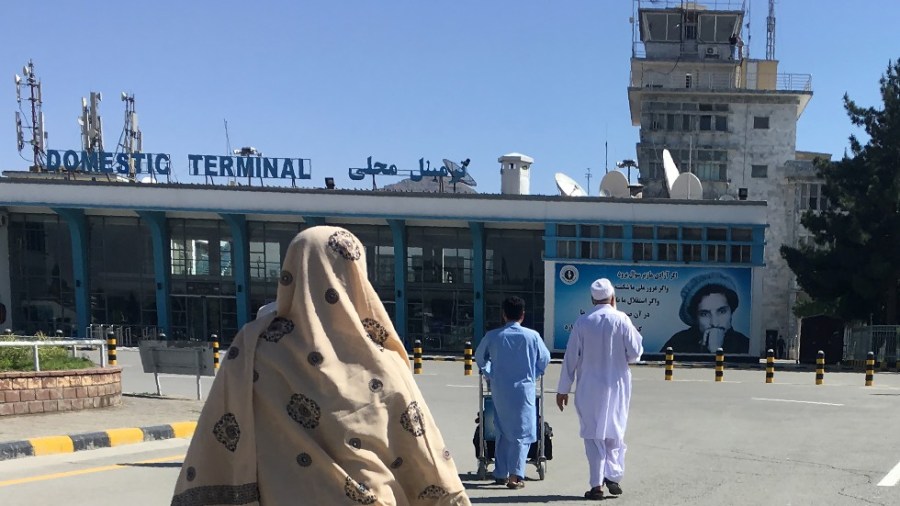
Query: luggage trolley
point(484, 433)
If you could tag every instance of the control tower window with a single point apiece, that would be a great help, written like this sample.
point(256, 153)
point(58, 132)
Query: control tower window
point(662, 27)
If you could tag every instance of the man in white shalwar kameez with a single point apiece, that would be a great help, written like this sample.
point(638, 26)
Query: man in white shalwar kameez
point(602, 344)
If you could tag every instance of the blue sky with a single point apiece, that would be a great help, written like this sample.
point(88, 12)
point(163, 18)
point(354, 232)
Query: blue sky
point(337, 81)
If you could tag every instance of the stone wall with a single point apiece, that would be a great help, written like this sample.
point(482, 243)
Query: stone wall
point(47, 391)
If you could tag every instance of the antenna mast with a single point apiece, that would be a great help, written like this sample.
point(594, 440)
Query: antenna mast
point(133, 141)
point(770, 32)
point(38, 135)
point(91, 126)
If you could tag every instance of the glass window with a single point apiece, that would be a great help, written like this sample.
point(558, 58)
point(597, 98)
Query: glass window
point(590, 249)
point(715, 253)
point(716, 234)
point(761, 122)
point(565, 231)
point(759, 170)
point(721, 123)
point(612, 250)
point(642, 251)
point(705, 122)
point(667, 232)
point(612, 231)
point(740, 254)
point(667, 251)
point(639, 232)
point(742, 234)
point(566, 249)
point(590, 230)
point(691, 252)
point(692, 233)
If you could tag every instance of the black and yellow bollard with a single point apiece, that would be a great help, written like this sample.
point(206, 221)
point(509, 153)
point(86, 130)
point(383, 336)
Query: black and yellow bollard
point(467, 368)
point(870, 368)
point(670, 363)
point(111, 347)
point(820, 367)
point(720, 365)
point(417, 357)
point(215, 346)
point(770, 366)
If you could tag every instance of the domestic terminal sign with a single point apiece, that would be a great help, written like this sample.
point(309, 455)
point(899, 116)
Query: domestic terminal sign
point(104, 162)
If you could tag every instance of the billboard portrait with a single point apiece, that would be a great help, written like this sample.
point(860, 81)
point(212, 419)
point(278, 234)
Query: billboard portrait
point(695, 310)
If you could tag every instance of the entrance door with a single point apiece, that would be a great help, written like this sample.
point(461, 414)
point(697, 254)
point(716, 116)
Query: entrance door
point(196, 317)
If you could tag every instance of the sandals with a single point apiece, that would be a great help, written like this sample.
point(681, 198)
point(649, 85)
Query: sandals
point(515, 485)
point(595, 494)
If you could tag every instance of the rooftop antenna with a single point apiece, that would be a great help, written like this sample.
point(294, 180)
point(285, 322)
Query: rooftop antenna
point(133, 140)
point(38, 135)
point(587, 175)
point(91, 124)
point(770, 32)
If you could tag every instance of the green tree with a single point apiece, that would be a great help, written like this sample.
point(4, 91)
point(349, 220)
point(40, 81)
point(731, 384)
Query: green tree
point(853, 269)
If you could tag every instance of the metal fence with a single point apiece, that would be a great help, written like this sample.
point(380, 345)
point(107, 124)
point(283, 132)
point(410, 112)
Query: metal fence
point(883, 340)
point(29, 342)
point(126, 335)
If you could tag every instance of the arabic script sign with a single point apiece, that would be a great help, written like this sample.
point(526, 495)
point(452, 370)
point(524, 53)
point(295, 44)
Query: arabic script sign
point(425, 170)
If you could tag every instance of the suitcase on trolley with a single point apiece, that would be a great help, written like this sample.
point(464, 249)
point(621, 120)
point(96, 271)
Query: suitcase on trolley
point(484, 439)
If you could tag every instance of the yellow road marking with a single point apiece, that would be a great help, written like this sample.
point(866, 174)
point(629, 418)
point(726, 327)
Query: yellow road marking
point(113, 467)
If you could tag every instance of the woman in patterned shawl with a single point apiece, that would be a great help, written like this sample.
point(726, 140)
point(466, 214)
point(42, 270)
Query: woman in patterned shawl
point(315, 402)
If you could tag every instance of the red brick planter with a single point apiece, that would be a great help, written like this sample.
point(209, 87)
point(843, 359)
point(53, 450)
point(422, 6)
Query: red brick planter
point(47, 391)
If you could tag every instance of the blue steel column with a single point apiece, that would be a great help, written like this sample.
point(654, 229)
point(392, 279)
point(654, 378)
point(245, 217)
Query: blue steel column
point(162, 266)
point(78, 232)
point(478, 269)
point(398, 231)
point(240, 262)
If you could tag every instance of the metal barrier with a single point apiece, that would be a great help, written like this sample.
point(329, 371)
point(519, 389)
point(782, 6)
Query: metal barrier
point(882, 340)
point(20, 341)
point(126, 335)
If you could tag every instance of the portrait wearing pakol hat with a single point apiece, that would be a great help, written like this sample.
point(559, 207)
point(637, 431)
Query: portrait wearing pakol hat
point(718, 282)
point(602, 289)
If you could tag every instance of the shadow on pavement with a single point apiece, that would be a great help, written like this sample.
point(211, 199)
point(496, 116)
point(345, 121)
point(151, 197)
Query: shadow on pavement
point(153, 464)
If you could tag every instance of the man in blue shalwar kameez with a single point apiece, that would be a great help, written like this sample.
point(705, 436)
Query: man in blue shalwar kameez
point(513, 357)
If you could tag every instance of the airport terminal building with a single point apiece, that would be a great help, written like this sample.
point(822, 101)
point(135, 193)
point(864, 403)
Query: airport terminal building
point(196, 260)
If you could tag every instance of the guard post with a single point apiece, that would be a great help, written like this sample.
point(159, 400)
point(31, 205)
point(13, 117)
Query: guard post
point(770, 365)
point(111, 348)
point(215, 347)
point(720, 365)
point(467, 368)
point(820, 367)
point(417, 357)
point(670, 363)
point(870, 368)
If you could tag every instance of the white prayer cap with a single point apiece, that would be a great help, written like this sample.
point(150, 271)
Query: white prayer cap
point(601, 289)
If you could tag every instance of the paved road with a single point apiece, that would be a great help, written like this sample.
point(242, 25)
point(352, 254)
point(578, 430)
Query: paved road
point(691, 441)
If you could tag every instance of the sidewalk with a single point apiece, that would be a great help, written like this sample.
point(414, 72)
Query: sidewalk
point(134, 412)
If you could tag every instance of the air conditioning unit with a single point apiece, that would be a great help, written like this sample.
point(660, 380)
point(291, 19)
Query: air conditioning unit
point(712, 52)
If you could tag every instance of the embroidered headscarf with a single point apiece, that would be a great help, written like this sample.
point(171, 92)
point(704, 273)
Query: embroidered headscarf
point(315, 402)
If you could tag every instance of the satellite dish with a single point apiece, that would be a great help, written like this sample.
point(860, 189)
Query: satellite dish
point(467, 180)
point(147, 179)
point(615, 185)
point(568, 187)
point(686, 186)
point(670, 169)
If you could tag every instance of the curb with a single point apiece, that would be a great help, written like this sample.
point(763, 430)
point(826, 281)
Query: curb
point(50, 445)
